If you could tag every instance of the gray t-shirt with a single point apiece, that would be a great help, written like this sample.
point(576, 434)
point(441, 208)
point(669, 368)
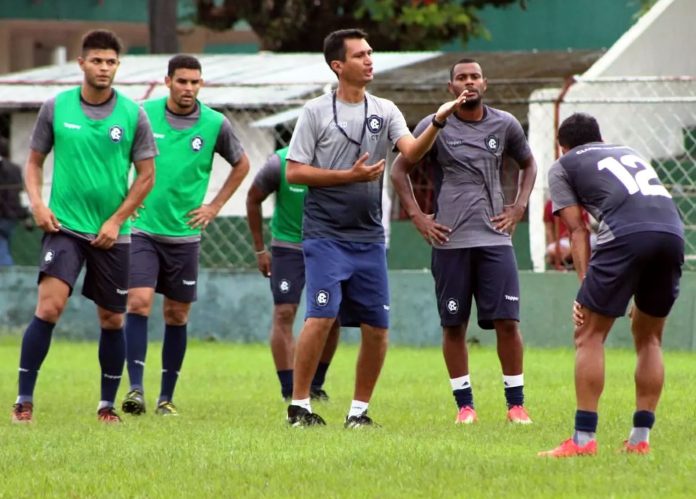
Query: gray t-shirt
point(349, 212)
point(42, 135)
point(267, 180)
point(468, 158)
point(227, 144)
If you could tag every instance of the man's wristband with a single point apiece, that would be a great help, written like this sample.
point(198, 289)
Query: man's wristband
point(438, 124)
point(260, 252)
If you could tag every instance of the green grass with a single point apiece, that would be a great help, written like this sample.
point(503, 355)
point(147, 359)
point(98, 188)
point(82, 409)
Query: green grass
point(231, 441)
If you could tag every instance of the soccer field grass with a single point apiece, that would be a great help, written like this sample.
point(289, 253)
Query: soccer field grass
point(231, 440)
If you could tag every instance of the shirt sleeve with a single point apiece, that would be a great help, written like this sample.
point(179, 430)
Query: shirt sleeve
point(397, 125)
point(267, 180)
point(562, 194)
point(228, 145)
point(517, 145)
point(144, 146)
point(42, 135)
point(304, 138)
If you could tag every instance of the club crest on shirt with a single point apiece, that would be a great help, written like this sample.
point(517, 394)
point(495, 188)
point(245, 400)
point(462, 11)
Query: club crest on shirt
point(374, 123)
point(116, 133)
point(492, 143)
point(197, 143)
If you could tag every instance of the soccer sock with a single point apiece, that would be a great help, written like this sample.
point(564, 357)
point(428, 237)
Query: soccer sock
point(320, 375)
point(285, 377)
point(585, 427)
point(173, 351)
point(643, 422)
point(304, 403)
point(35, 345)
point(514, 389)
point(112, 355)
point(136, 349)
point(461, 389)
point(357, 407)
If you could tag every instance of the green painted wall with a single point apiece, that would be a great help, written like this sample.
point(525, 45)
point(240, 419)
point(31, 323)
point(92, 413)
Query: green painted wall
point(87, 10)
point(237, 307)
point(555, 25)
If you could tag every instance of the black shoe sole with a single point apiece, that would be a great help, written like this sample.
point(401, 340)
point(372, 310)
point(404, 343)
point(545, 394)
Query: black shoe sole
point(133, 408)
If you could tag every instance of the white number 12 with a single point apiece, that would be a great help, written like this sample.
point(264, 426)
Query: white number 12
point(634, 179)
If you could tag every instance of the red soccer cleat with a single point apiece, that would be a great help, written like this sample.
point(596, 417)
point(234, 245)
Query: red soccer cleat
point(22, 413)
point(518, 414)
point(639, 448)
point(466, 415)
point(108, 415)
point(570, 449)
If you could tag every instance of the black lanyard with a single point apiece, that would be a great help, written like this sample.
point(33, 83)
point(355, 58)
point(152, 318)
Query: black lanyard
point(345, 134)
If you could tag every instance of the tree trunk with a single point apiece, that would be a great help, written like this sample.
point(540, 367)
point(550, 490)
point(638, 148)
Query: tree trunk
point(163, 19)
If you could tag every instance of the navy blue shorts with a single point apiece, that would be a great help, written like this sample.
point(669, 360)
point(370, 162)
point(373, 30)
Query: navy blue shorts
point(106, 279)
point(171, 269)
point(647, 265)
point(347, 280)
point(287, 275)
point(486, 273)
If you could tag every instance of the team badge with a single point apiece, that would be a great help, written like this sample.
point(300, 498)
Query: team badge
point(48, 257)
point(284, 286)
point(452, 306)
point(492, 143)
point(322, 298)
point(116, 133)
point(374, 123)
point(197, 143)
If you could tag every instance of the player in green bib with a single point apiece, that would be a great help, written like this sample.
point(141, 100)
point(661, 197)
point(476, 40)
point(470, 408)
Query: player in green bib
point(167, 233)
point(284, 266)
point(96, 133)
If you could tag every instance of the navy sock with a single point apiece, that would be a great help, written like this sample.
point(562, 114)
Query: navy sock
point(285, 377)
point(173, 351)
point(514, 395)
point(35, 345)
point(586, 421)
point(136, 348)
point(643, 419)
point(112, 355)
point(464, 397)
point(320, 375)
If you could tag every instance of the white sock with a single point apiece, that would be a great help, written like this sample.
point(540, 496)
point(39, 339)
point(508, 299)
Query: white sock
point(304, 403)
point(103, 404)
point(357, 407)
point(639, 435)
point(513, 381)
point(460, 383)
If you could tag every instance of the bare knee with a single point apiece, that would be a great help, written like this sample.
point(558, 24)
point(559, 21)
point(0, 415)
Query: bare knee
point(109, 319)
point(284, 314)
point(50, 308)
point(140, 302)
point(454, 333)
point(506, 328)
point(176, 313)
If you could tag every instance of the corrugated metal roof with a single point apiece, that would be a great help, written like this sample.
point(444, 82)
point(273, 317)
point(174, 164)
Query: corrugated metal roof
point(239, 80)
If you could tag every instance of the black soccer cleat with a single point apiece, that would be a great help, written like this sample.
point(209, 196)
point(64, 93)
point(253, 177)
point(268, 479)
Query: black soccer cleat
point(299, 417)
point(360, 421)
point(317, 394)
point(134, 403)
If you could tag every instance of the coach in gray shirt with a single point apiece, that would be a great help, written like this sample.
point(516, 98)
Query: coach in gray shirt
point(470, 233)
point(338, 150)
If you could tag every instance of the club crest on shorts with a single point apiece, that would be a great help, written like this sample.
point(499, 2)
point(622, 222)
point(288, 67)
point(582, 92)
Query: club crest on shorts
point(48, 257)
point(197, 143)
point(374, 123)
point(116, 133)
point(284, 286)
point(452, 305)
point(322, 298)
point(492, 143)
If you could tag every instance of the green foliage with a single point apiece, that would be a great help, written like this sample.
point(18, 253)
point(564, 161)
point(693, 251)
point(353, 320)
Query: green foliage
point(231, 441)
point(292, 26)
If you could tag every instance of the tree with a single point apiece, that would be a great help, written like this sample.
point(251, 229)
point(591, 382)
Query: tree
point(162, 16)
point(300, 26)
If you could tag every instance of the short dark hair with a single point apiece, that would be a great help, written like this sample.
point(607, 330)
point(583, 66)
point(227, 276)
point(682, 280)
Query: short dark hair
point(334, 43)
point(101, 39)
point(182, 61)
point(463, 60)
point(578, 129)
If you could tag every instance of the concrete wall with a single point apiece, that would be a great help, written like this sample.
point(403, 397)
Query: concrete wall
point(237, 307)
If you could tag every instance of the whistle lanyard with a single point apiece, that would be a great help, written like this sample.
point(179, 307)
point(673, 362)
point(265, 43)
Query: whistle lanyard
point(342, 130)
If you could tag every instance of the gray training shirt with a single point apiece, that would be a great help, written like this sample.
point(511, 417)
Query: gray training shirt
point(468, 158)
point(348, 212)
